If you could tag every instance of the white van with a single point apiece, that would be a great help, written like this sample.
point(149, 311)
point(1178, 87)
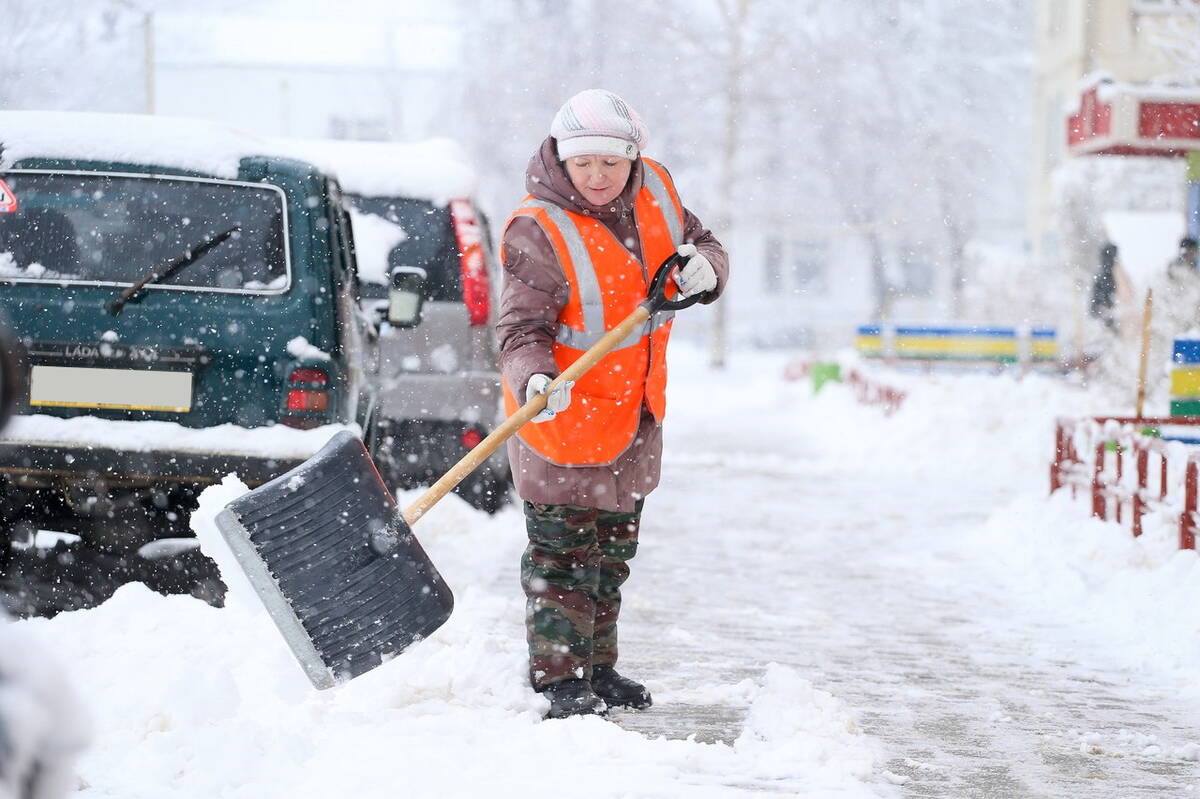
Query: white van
point(410, 206)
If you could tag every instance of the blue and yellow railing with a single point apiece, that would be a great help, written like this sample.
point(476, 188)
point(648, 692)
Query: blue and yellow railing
point(1003, 345)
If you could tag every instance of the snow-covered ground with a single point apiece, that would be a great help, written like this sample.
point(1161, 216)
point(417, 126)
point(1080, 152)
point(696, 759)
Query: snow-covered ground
point(826, 602)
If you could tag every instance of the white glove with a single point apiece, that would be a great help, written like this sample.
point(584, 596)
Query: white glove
point(697, 274)
point(558, 400)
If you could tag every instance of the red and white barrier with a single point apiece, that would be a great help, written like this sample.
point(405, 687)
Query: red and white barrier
point(871, 392)
point(866, 390)
point(1126, 472)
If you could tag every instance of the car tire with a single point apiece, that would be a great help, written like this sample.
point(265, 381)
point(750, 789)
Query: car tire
point(486, 491)
point(11, 534)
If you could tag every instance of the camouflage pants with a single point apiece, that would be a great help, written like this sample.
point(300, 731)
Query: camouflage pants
point(572, 573)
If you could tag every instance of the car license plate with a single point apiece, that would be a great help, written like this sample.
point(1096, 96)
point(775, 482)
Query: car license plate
point(121, 389)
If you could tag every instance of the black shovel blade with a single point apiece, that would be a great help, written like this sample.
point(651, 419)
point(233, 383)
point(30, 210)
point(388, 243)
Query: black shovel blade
point(335, 564)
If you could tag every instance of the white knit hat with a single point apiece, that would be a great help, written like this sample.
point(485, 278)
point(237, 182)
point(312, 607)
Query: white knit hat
point(598, 122)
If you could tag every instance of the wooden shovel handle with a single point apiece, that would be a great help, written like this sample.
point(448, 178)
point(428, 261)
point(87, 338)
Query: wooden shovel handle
point(530, 409)
point(1147, 314)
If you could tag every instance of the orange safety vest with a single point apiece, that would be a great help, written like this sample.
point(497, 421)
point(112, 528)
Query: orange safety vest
point(606, 283)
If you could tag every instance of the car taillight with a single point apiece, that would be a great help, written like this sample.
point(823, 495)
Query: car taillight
point(468, 237)
point(309, 375)
point(300, 400)
point(471, 438)
point(308, 392)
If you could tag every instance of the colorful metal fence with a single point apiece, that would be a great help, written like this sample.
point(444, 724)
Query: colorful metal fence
point(964, 344)
point(1128, 470)
point(1185, 377)
point(867, 391)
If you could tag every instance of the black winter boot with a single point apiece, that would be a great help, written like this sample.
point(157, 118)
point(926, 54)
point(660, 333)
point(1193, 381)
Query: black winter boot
point(618, 691)
point(573, 698)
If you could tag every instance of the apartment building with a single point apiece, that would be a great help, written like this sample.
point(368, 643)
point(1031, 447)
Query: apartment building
point(1111, 78)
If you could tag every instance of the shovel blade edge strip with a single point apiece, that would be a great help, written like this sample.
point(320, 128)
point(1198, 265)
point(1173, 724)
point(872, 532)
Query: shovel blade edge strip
point(277, 605)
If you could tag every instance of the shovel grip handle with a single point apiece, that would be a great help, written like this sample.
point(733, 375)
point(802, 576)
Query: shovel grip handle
point(484, 449)
point(658, 287)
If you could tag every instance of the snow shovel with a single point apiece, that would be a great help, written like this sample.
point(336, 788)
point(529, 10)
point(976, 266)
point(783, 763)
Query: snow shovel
point(336, 563)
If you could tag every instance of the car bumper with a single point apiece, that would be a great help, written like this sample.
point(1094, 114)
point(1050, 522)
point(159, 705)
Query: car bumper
point(56, 461)
point(473, 398)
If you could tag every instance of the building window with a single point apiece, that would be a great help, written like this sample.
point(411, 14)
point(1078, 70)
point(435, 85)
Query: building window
point(362, 129)
point(796, 266)
point(809, 260)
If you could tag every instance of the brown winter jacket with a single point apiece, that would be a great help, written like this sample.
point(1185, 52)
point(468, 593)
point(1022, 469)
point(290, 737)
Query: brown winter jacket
point(534, 293)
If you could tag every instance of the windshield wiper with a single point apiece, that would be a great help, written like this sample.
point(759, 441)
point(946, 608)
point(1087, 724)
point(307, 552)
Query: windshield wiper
point(168, 269)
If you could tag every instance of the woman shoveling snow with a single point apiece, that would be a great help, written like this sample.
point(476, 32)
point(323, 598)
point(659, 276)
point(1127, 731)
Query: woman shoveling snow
point(579, 254)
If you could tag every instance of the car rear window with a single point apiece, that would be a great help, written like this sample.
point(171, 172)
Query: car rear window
point(429, 243)
point(111, 229)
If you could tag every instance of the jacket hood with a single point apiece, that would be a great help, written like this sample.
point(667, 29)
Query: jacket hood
point(546, 179)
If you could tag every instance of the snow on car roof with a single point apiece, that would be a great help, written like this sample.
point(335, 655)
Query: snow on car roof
point(175, 142)
point(435, 169)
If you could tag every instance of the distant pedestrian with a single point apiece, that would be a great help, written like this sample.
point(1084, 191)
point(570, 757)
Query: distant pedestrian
point(578, 256)
point(1104, 286)
point(1184, 264)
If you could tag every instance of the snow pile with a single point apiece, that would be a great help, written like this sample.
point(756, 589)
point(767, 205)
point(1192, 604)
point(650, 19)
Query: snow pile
point(277, 441)
point(791, 722)
point(199, 701)
point(191, 144)
point(240, 592)
point(999, 425)
point(436, 169)
point(43, 725)
point(1140, 592)
point(374, 240)
point(960, 431)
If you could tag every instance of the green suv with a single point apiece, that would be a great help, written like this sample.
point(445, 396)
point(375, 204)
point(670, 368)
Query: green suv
point(189, 308)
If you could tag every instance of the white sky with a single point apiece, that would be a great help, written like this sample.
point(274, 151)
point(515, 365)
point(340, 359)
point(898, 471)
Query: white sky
point(355, 34)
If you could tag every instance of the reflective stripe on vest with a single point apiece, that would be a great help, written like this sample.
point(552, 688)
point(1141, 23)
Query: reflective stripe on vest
point(589, 289)
point(585, 271)
point(662, 195)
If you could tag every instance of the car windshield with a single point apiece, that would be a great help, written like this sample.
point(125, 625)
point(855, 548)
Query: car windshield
point(428, 243)
point(111, 229)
